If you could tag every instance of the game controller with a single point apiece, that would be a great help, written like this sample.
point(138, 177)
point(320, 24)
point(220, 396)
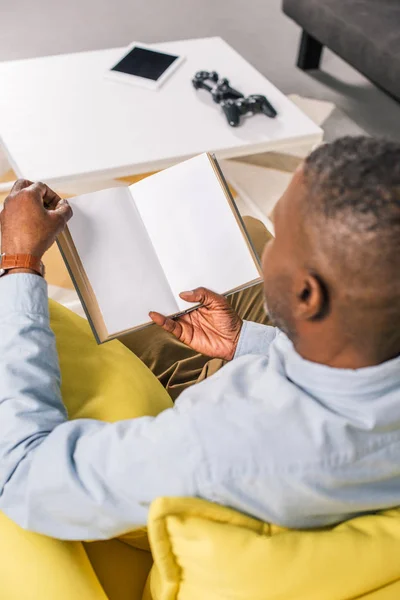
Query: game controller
point(254, 104)
point(232, 102)
point(218, 88)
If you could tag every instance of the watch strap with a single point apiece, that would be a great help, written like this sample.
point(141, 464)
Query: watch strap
point(21, 261)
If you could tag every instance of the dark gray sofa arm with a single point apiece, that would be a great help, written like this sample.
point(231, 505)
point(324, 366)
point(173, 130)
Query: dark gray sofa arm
point(365, 33)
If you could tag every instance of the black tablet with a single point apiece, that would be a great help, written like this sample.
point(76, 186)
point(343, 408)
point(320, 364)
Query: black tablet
point(145, 66)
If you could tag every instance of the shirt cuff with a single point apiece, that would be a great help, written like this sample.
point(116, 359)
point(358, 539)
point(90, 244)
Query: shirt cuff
point(23, 293)
point(255, 339)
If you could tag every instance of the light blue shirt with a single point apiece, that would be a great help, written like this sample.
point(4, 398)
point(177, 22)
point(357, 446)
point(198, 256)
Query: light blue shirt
point(271, 434)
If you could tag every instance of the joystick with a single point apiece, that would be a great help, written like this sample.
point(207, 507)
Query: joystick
point(254, 104)
point(232, 102)
point(218, 88)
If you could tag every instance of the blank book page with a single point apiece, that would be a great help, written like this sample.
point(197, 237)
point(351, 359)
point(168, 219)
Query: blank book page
point(193, 229)
point(119, 259)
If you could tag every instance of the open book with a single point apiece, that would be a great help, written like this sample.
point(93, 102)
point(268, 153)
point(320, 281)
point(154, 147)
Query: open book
point(130, 250)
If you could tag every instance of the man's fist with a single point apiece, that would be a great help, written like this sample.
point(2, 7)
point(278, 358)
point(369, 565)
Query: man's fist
point(212, 329)
point(32, 217)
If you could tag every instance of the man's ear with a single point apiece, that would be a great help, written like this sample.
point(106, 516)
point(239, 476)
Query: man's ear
point(312, 301)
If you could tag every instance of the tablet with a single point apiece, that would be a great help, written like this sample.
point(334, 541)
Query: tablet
point(144, 66)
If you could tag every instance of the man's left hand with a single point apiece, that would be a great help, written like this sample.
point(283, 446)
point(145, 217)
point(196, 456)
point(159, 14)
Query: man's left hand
point(32, 217)
point(212, 329)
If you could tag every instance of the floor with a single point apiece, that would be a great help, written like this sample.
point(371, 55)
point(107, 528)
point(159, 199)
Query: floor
point(256, 28)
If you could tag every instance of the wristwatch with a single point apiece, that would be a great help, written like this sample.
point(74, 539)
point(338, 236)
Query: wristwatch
point(20, 261)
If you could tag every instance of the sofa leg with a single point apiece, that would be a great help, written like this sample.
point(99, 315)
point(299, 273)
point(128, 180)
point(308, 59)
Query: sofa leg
point(310, 51)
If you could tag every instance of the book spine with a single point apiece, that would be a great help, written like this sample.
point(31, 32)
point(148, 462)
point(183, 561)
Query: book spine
point(79, 293)
point(236, 210)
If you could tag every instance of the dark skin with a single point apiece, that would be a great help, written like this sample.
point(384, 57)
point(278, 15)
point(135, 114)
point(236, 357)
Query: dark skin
point(311, 286)
point(303, 291)
point(32, 217)
point(304, 295)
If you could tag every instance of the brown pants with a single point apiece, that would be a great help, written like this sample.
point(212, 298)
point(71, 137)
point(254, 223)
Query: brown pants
point(176, 365)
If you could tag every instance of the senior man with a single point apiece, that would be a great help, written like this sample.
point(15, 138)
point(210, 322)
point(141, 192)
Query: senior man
point(301, 427)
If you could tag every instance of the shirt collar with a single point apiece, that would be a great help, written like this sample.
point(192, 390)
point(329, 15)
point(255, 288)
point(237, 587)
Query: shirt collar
point(379, 378)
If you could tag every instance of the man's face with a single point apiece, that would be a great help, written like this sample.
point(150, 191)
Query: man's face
point(282, 258)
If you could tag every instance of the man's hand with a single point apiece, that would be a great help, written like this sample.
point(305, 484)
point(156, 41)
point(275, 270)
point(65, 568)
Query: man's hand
point(212, 329)
point(32, 217)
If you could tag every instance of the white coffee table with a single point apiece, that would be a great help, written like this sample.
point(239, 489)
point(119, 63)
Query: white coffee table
point(61, 120)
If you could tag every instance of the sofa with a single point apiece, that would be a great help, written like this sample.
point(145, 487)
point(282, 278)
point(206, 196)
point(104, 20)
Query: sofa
point(191, 549)
point(365, 33)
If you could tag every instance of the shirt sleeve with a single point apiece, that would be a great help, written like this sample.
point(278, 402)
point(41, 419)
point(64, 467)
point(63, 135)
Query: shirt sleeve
point(81, 479)
point(255, 339)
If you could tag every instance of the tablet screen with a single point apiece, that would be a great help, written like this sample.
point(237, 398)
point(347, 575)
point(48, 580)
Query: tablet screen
point(142, 62)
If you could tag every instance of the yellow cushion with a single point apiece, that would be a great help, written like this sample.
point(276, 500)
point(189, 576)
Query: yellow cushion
point(102, 382)
point(203, 550)
point(105, 382)
point(35, 567)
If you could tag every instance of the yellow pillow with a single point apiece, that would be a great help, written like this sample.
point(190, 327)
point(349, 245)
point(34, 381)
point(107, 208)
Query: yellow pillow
point(105, 382)
point(35, 567)
point(102, 382)
point(203, 550)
